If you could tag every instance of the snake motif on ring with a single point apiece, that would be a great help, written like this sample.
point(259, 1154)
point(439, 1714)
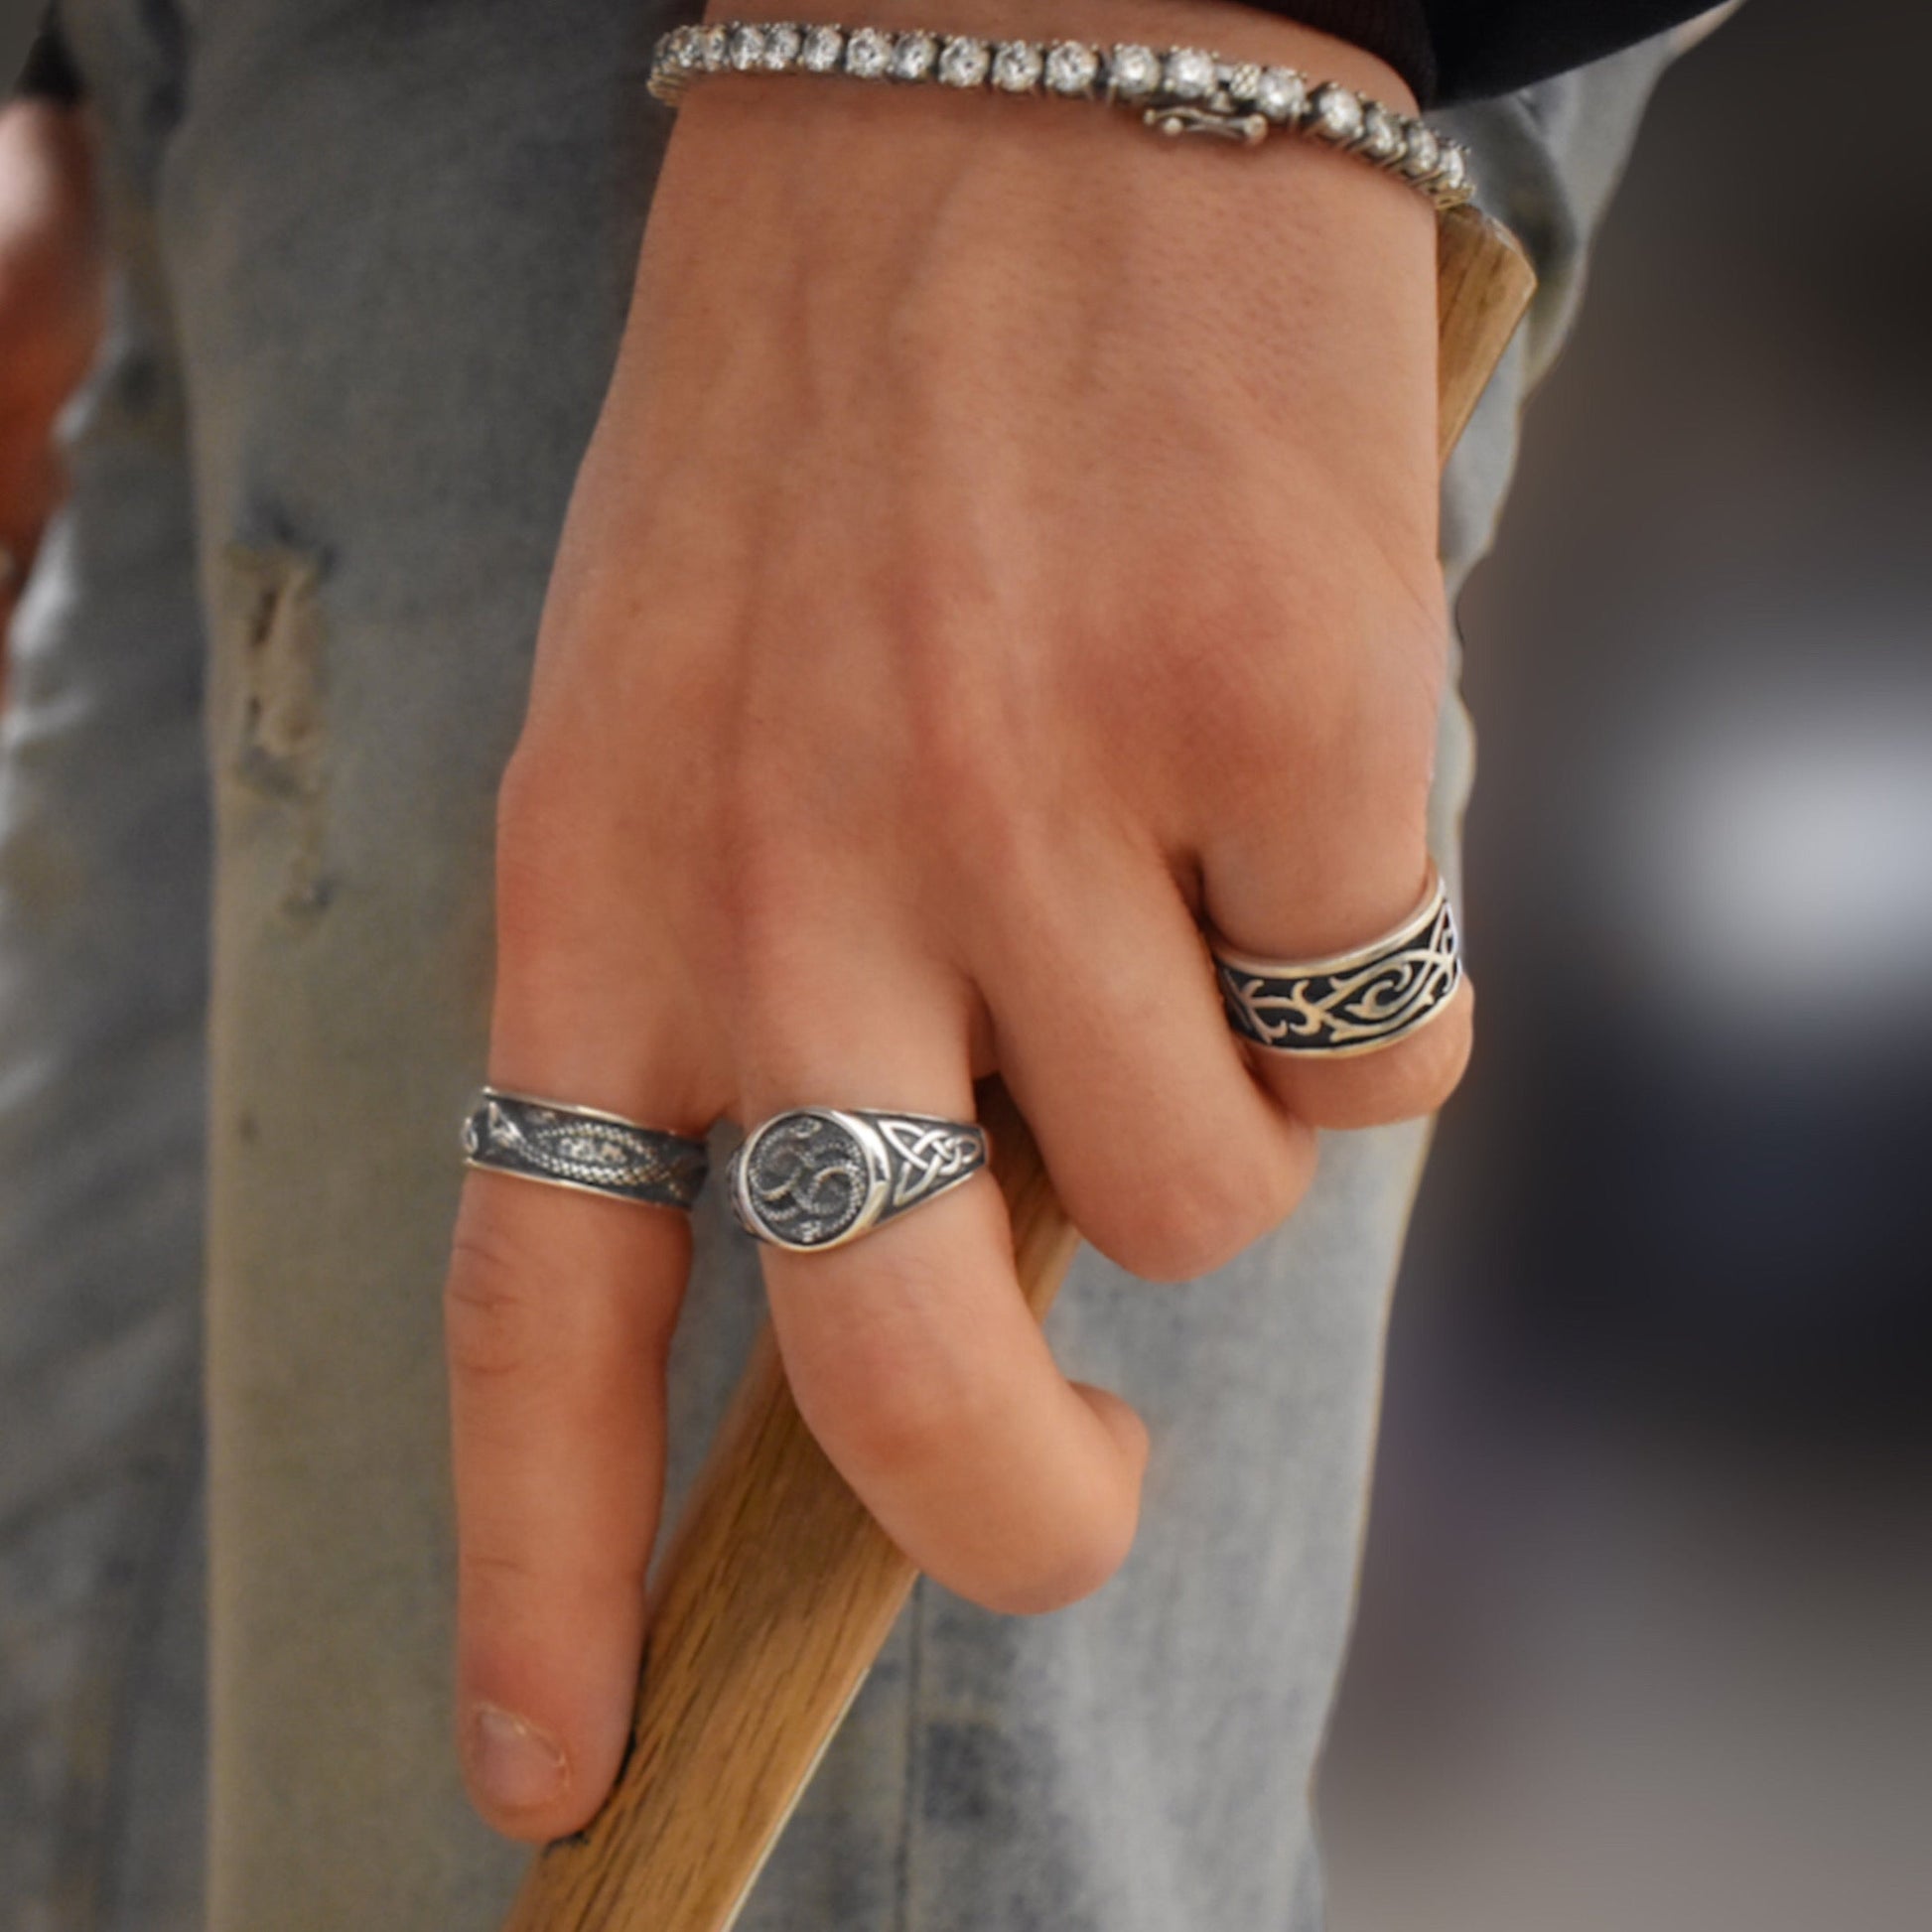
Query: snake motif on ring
point(820, 1176)
point(808, 1179)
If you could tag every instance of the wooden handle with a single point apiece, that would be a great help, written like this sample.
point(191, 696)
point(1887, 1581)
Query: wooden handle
point(1483, 285)
point(778, 1589)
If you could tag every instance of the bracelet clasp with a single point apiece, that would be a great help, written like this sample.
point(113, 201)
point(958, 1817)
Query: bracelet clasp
point(1224, 124)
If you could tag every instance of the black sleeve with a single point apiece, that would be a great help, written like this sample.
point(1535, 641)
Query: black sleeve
point(1446, 50)
point(49, 72)
point(1463, 50)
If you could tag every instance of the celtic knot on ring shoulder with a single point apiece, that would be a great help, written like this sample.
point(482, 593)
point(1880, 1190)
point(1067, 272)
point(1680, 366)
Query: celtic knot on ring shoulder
point(930, 1154)
point(1352, 1003)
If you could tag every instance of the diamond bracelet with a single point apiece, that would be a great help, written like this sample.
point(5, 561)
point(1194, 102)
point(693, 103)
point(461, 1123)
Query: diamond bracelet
point(1175, 90)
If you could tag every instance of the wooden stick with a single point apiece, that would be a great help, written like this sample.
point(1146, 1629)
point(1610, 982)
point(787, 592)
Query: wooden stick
point(778, 1589)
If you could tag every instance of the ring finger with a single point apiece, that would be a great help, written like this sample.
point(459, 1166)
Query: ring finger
point(1270, 910)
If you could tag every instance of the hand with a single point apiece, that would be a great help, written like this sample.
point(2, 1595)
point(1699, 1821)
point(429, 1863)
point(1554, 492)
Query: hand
point(50, 296)
point(1009, 539)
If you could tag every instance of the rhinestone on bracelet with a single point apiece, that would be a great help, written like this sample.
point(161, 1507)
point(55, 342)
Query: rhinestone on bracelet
point(1175, 89)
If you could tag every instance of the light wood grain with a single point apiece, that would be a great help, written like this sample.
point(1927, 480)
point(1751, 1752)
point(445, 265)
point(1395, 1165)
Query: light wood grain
point(778, 1589)
point(1483, 284)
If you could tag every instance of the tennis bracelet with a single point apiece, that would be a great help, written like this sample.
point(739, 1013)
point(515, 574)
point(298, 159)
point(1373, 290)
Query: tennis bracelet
point(1176, 90)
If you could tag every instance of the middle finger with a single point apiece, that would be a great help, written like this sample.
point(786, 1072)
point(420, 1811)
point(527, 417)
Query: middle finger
point(911, 1351)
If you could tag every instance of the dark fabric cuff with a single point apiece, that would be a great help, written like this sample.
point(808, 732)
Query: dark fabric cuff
point(50, 72)
point(1467, 50)
point(1395, 31)
point(1485, 48)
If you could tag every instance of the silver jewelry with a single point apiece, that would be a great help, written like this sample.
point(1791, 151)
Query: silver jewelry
point(820, 1176)
point(582, 1148)
point(1350, 1003)
point(1175, 89)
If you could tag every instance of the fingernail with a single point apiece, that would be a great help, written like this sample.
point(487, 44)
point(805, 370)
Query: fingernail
point(515, 1766)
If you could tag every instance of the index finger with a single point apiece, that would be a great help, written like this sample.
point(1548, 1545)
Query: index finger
point(559, 1311)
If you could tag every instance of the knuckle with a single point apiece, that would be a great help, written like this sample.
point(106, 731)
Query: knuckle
point(570, 822)
point(1084, 1556)
point(1330, 727)
point(1367, 735)
point(893, 1393)
point(495, 1583)
point(493, 1328)
point(895, 1400)
point(1199, 1215)
point(590, 904)
point(1408, 1082)
point(536, 793)
point(536, 857)
point(904, 1422)
point(1441, 1059)
point(528, 911)
point(1227, 681)
point(501, 1582)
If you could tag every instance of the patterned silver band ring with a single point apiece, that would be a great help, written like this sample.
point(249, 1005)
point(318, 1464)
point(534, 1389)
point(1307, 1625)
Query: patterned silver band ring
point(582, 1148)
point(1351, 1003)
point(818, 1176)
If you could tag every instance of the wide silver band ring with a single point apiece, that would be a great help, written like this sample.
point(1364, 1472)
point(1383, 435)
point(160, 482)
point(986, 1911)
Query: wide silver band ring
point(1356, 1002)
point(820, 1176)
point(582, 1148)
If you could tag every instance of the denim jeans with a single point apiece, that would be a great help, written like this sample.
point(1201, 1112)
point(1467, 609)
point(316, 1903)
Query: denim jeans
point(371, 265)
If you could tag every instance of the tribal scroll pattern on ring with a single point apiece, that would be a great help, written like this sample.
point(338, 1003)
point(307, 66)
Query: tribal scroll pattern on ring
point(818, 1176)
point(582, 1148)
point(1350, 1003)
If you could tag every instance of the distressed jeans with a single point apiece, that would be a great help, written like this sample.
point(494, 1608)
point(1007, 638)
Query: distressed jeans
point(371, 265)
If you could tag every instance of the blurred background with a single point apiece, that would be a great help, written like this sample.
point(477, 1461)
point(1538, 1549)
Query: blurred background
point(1646, 1631)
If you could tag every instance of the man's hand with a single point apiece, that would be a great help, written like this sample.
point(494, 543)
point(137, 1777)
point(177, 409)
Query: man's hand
point(50, 295)
point(1009, 539)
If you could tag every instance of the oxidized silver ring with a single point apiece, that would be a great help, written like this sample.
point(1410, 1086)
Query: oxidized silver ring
point(582, 1148)
point(1350, 1003)
point(820, 1176)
